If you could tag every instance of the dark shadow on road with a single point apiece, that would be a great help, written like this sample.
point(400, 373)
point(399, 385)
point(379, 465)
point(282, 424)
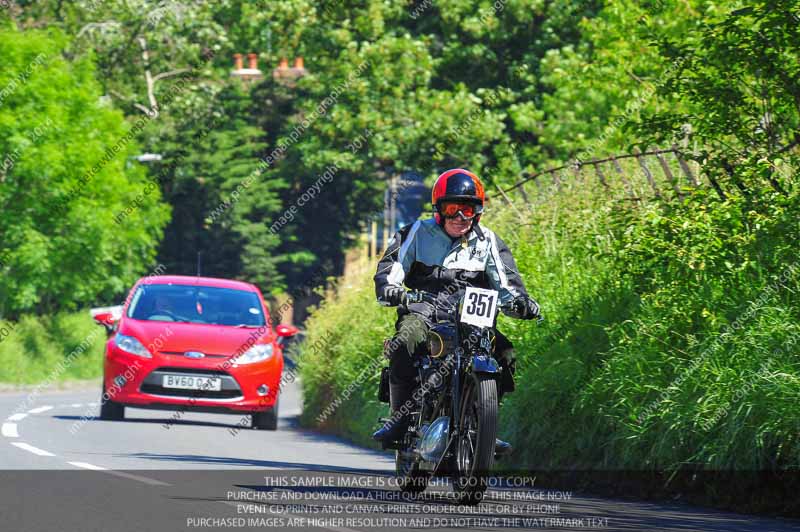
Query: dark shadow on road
point(293, 424)
point(161, 421)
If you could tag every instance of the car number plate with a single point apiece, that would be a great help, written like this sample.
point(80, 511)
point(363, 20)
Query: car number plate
point(479, 307)
point(186, 382)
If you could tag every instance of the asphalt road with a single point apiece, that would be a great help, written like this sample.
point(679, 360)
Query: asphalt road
point(65, 470)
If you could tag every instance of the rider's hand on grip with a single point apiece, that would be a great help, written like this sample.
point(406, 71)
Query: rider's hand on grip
point(394, 295)
point(525, 307)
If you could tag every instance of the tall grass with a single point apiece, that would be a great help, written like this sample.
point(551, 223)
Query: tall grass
point(67, 346)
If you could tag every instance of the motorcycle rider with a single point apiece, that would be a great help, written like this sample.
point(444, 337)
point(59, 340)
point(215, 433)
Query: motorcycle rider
point(443, 255)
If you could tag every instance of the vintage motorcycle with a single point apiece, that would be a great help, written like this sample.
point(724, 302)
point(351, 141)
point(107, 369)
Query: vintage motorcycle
point(453, 414)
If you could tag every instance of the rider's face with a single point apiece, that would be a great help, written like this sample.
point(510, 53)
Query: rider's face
point(456, 227)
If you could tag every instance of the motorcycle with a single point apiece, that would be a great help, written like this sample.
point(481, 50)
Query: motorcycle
point(453, 411)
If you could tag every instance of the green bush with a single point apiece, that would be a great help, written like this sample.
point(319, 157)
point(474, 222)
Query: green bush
point(67, 346)
point(341, 361)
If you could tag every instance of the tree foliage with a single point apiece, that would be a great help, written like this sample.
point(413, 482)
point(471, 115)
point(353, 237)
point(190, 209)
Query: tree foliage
point(740, 82)
point(500, 87)
point(66, 163)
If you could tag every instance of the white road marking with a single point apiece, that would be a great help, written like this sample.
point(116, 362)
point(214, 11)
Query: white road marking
point(32, 449)
point(9, 430)
point(76, 405)
point(144, 480)
point(84, 465)
point(93, 404)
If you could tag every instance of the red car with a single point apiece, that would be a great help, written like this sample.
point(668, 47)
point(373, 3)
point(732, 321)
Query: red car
point(193, 343)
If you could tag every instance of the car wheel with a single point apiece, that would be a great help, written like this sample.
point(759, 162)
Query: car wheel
point(109, 410)
point(267, 420)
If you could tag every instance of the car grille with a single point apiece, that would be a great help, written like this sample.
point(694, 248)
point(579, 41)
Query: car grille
point(181, 354)
point(153, 384)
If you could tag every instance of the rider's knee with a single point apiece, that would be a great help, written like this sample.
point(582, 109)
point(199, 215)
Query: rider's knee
point(507, 358)
point(413, 331)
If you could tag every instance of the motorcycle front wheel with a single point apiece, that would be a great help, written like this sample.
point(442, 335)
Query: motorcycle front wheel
point(476, 437)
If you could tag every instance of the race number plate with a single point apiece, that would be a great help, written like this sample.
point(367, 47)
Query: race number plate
point(479, 307)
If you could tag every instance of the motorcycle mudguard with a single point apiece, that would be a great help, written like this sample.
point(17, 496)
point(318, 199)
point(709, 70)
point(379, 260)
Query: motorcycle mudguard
point(484, 364)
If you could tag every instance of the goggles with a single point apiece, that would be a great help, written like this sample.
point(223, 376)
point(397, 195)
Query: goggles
point(467, 211)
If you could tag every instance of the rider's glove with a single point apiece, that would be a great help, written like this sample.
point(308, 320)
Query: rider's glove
point(450, 275)
point(394, 295)
point(525, 307)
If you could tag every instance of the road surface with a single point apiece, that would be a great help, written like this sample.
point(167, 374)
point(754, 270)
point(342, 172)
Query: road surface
point(63, 469)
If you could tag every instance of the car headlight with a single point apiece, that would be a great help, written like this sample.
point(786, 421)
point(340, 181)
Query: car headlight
point(131, 345)
point(257, 353)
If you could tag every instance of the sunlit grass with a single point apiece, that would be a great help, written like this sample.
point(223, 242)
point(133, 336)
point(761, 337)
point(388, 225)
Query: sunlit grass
point(35, 348)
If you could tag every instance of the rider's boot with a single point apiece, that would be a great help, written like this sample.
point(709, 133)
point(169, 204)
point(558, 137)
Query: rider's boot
point(396, 426)
point(502, 448)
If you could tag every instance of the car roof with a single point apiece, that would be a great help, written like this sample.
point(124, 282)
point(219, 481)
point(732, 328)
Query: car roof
point(198, 281)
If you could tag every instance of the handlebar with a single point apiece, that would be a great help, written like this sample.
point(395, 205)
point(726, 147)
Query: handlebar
point(418, 296)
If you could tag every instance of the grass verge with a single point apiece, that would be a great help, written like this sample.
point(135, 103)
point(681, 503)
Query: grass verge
point(64, 347)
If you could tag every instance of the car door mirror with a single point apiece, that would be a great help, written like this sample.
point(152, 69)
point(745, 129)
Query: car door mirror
point(108, 317)
point(105, 318)
point(285, 331)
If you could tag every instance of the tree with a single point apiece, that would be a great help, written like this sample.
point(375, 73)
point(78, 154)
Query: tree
point(222, 195)
point(68, 170)
point(740, 84)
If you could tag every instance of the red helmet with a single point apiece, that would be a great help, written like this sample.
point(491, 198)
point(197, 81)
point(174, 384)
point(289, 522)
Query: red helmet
point(456, 185)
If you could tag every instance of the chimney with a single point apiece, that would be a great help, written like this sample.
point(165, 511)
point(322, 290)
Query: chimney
point(298, 62)
point(252, 61)
point(284, 63)
point(237, 61)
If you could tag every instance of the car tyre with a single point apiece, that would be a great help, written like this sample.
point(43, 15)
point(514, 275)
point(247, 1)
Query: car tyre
point(109, 410)
point(267, 420)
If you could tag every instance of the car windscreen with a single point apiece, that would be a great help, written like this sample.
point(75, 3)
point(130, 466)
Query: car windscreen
point(196, 304)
